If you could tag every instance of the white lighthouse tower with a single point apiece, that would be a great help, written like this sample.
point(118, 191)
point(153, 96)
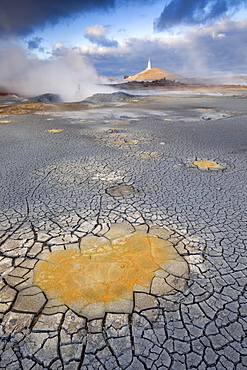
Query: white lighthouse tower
point(149, 64)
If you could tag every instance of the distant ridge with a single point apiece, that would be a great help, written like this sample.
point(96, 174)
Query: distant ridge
point(154, 74)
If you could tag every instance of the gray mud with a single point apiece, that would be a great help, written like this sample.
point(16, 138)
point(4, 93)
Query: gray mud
point(55, 191)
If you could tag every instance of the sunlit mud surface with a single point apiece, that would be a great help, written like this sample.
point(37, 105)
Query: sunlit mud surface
point(123, 233)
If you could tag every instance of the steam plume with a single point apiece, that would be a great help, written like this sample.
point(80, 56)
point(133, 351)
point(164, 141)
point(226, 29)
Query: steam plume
point(68, 75)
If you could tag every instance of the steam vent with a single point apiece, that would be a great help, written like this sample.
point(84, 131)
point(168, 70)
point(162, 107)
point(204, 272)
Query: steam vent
point(102, 275)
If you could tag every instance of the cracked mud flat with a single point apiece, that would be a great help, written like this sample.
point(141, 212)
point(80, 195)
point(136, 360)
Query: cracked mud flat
point(80, 185)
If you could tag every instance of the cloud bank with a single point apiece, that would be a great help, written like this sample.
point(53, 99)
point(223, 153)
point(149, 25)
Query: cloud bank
point(21, 17)
point(193, 12)
point(202, 51)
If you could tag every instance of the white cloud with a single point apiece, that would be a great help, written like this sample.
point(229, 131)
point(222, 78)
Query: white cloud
point(96, 31)
point(97, 35)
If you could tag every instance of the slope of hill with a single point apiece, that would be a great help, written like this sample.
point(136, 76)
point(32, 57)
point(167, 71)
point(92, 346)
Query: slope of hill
point(154, 74)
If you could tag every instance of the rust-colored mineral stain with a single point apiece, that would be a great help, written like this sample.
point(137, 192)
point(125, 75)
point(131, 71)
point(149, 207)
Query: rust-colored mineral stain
point(106, 273)
point(205, 164)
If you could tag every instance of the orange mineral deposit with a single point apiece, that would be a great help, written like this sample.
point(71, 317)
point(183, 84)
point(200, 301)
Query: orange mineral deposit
point(205, 164)
point(102, 275)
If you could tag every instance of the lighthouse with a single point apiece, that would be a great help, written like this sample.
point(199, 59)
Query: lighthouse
point(149, 64)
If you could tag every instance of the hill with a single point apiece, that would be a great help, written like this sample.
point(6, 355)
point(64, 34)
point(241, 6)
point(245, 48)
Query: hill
point(154, 74)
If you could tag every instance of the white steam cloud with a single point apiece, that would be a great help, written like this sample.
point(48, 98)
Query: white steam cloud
point(68, 75)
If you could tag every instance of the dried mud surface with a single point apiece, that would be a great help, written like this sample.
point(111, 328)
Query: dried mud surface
point(123, 233)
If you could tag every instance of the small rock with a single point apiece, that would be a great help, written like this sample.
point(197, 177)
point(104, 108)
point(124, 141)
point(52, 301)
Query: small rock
point(49, 98)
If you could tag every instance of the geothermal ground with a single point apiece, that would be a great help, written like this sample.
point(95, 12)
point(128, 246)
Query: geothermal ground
point(123, 232)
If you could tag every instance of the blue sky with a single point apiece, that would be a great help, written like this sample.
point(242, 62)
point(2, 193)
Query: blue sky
point(127, 20)
point(189, 37)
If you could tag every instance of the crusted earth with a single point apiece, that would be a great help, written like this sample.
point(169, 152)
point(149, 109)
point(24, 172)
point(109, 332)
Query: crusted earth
point(116, 250)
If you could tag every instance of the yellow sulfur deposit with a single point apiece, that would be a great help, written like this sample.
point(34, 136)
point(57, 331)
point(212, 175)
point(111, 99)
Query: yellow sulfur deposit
point(103, 272)
point(205, 164)
point(53, 131)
